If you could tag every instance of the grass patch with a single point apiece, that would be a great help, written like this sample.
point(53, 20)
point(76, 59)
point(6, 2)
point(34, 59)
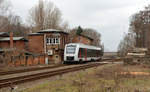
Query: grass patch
point(101, 79)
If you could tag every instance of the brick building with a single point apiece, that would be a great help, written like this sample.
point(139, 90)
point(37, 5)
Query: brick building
point(82, 39)
point(50, 42)
point(8, 41)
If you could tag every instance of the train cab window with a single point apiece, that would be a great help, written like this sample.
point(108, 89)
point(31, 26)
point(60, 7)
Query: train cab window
point(70, 49)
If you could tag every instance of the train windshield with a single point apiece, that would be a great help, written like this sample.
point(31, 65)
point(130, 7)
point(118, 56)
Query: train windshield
point(70, 49)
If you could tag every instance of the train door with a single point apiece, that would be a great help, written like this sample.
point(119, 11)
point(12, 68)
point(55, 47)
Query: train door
point(82, 54)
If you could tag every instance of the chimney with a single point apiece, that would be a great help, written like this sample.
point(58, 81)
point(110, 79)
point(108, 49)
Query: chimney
point(11, 40)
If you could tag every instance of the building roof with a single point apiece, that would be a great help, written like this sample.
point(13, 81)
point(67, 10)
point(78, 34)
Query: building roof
point(4, 34)
point(52, 31)
point(14, 38)
point(31, 34)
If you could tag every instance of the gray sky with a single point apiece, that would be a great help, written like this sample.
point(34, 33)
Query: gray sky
point(108, 17)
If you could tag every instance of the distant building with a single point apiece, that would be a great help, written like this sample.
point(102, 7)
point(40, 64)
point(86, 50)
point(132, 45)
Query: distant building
point(82, 39)
point(50, 42)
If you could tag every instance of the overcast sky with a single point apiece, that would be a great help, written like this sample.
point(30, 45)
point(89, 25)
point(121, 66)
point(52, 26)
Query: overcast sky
point(108, 17)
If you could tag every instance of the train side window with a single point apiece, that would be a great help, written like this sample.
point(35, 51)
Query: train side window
point(88, 52)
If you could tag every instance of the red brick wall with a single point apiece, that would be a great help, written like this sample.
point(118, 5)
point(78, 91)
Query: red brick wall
point(23, 61)
point(5, 44)
point(80, 39)
point(17, 44)
point(36, 43)
point(63, 40)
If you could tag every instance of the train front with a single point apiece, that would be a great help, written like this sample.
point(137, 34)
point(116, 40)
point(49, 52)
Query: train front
point(70, 53)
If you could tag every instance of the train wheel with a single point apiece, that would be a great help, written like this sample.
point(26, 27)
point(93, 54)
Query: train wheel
point(100, 60)
point(80, 60)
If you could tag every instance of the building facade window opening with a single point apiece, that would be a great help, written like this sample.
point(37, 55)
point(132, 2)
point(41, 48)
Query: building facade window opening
point(47, 40)
point(50, 40)
point(57, 40)
point(53, 41)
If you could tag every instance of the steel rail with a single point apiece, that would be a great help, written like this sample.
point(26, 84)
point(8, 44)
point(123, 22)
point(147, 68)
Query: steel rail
point(32, 69)
point(27, 78)
point(29, 69)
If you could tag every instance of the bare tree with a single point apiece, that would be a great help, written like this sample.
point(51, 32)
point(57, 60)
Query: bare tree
point(17, 27)
point(140, 24)
point(65, 26)
point(139, 28)
point(4, 13)
point(45, 15)
point(9, 21)
point(92, 33)
point(127, 44)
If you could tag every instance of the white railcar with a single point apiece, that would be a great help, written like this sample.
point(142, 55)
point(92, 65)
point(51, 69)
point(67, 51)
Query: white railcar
point(77, 52)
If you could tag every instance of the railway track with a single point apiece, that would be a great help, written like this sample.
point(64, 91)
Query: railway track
point(33, 69)
point(36, 69)
point(27, 78)
point(29, 70)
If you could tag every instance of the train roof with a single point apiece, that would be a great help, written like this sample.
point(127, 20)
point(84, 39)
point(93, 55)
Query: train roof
point(85, 46)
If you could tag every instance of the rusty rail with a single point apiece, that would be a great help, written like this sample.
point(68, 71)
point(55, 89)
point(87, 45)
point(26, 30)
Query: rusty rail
point(37, 68)
point(27, 78)
point(29, 69)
